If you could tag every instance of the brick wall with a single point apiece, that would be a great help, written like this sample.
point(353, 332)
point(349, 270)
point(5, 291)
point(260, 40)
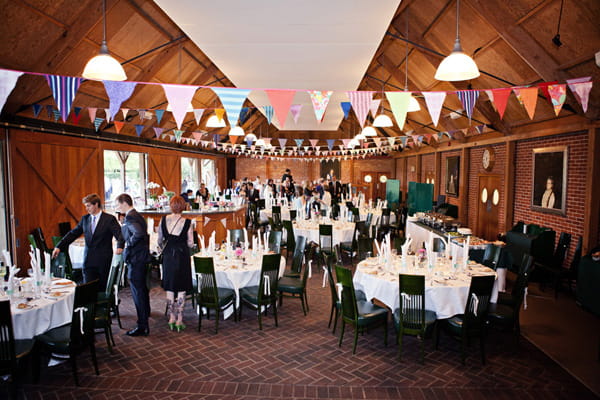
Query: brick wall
point(411, 170)
point(576, 179)
point(250, 168)
point(386, 165)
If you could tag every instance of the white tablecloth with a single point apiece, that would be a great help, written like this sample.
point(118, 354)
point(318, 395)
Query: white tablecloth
point(447, 297)
point(342, 230)
point(268, 213)
point(77, 253)
point(43, 314)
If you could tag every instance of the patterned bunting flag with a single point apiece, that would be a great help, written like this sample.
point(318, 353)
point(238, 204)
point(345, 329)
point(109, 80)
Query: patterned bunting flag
point(330, 143)
point(346, 106)
point(118, 125)
point(56, 115)
point(232, 99)
point(434, 101)
point(480, 128)
point(499, 97)
point(141, 114)
point(558, 95)
point(64, 89)
point(179, 98)
point(8, 81)
point(97, 122)
point(361, 102)
point(299, 142)
point(92, 113)
point(36, 110)
point(198, 114)
point(139, 129)
point(468, 98)
point(581, 88)
point(159, 114)
point(399, 102)
point(544, 88)
point(268, 113)
point(374, 107)
point(527, 96)
point(117, 93)
point(320, 100)
point(157, 131)
point(295, 110)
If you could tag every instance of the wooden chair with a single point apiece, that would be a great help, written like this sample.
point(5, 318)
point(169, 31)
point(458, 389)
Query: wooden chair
point(296, 287)
point(106, 302)
point(275, 241)
point(265, 294)
point(209, 295)
point(298, 258)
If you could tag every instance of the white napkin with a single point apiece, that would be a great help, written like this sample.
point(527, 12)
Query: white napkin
point(12, 271)
point(7, 260)
point(47, 264)
point(466, 252)
point(245, 236)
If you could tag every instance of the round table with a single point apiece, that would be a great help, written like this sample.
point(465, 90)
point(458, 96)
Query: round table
point(40, 315)
point(268, 213)
point(446, 290)
point(342, 230)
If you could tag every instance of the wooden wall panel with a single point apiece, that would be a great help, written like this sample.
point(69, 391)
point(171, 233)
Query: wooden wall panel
point(165, 169)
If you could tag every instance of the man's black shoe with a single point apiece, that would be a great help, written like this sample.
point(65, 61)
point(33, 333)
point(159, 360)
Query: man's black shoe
point(138, 332)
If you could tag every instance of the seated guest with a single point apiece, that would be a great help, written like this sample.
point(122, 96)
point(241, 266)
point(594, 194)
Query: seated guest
point(202, 193)
point(187, 195)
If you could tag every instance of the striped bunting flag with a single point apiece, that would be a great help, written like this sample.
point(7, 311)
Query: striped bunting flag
point(97, 122)
point(468, 98)
point(268, 113)
point(64, 89)
point(361, 103)
point(232, 100)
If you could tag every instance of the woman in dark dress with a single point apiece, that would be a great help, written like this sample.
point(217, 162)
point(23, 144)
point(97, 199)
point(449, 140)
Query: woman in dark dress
point(175, 236)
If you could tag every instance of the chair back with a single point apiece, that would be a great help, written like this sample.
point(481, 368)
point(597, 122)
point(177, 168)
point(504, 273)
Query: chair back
point(369, 219)
point(275, 241)
point(478, 302)
point(355, 213)
point(253, 213)
point(439, 245)
point(261, 204)
point(412, 302)
point(293, 214)
point(526, 263)
point(290, 239)
point(337, 252)
point(61, 265)
point(38, 235)
point(276, 212)
point(518, 290)
point(32, 241)
point(207, 281)
point(335, 210)
point(113, 275)
point(576, 258)
point(365, 248)
point(308, 255)
point(298, 257)
point(560, 253)
point(491, 256)
point(385, 217)
point(270, 268)
point(8, 357)
point(330, 280)
point(64, 228)
point(326, 237)
point(441, 199)
point(84, 311)
point(236, 236)
point(195, 206)
point(348, 300)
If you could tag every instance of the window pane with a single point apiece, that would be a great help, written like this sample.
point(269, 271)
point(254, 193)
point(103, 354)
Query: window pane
point(190, 174)
point(124, 173)
point(113, 184)
point(209, 174)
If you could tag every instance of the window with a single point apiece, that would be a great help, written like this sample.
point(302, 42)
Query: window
point(209, 174)
point(190, 174)
point(124, 172)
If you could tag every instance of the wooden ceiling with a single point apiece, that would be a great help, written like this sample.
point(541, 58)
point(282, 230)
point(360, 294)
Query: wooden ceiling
point(511, 41)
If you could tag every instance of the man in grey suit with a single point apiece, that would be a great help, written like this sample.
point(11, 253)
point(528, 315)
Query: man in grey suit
point(137, 256)
point(98, 229)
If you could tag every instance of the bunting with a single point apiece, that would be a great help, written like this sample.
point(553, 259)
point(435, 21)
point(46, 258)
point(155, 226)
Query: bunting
point(198, 114)
point(97, 122)
point(157, 131)
point(558, 95)
point(330, 143)
point(361, 102)
point(139, 129)
point(76, 116)
point(282, 142)
point(159, 114)
point(178, 132)
point(92, 113)
point(281, 100)
point(499, 98)
point(399, 102)
point(581, 88)
point(124, 111)
point(298, 142)
point(107, 114)
point(434, 101)
point(346, 105)
point(36, 110)
point(64, 89)
point(268, 113)
point(320, 100)
point(118, 125)
point(179, 98)
point(313, 142)
point(544, 88)
point(295, 110)
point(232, 99)
point(8, 81)
point(374, 107)
point(527, 96)
point(56, 115)
point(468, 98)
point(117, 93)
point(141, 114)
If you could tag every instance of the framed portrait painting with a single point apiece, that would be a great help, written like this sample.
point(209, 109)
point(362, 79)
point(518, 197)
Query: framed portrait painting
point(549, 191)
point(452, 175)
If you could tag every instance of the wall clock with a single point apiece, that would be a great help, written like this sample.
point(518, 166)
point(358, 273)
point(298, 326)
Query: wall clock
point(489, 156)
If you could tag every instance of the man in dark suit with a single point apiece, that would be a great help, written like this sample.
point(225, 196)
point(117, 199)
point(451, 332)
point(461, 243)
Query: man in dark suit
point(252, 194)
point(98, 229)
point(136, 255)
point(335, 188)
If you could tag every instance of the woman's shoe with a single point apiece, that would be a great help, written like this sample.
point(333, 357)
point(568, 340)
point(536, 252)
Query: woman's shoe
point(180, 327)
point(172, 326)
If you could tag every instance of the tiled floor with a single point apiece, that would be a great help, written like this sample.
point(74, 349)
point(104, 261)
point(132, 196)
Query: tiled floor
point(300, 359)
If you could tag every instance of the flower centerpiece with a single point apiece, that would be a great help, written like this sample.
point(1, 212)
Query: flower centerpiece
point(153, 189)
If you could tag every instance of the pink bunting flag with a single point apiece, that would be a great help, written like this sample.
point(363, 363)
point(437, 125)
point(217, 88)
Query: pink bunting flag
point(8, 81)
point(198, 114)
point(499, 98)
point(361, 103)
point(92, 113)
point(179, 97)
point(558, 95)
point(581, 88)
point(399, 102)
point(345, 143)
point(295, 110)
point(282, 142)
point(434, 101)
point(320, 100)
point(375, 106)
point(281, 100)
point(313, 142)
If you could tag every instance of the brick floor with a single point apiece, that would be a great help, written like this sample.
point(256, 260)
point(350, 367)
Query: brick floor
point(298, 360)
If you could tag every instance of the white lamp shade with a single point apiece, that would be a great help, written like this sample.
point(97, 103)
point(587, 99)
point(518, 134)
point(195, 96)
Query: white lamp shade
point(353, 143)
point(369, 131)
point(214, 122)
point(236, 131)
point(457, 67)
point(413, 105)
point(250, 136)
point(104, 68)
point(383, 121)
point(358, 137)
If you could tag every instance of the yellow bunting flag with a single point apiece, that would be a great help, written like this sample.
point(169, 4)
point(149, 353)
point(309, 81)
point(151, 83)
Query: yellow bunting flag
point(219, 112)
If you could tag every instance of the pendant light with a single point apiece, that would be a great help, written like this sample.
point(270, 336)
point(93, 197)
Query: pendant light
point(413, 104)
point(104, 67)
point(369, 131)
point(458, 66)
point(382, 120)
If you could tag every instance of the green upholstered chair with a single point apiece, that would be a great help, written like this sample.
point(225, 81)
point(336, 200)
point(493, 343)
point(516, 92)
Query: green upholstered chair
point(491, 256)
point(412, 317)
point(275, 241)
point(361, 314)
point(296, 287)
point(351, 248)
point(209, 295)
point(265, 293)
point(106, 302)
point(297, 259)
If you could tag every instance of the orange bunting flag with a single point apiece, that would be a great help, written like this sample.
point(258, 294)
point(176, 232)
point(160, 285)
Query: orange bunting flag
point(527, 96)
point(500, 98)
point(281, 100)
point(558, 95)
point(118, 125)
point(234, 139)
point(399, 102)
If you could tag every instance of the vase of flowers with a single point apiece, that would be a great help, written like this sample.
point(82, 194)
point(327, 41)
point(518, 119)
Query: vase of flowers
point(153, 189)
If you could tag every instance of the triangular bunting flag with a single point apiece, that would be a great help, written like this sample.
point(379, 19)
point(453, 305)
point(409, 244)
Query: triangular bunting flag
point(92, 113)
point(8, 81)
point(220, 112)
point(107, 114)
point(361, 103)
point(295, 110)
point(117, 93)
point(374, 107)
point(197, 135)
point(299, 142)
point(313, 142)
point(36, 110)
point(76, 115)
point(178, 132)
point(233, 139)
point(118, 125)
point(399, 102)
point(581, 88)
point(330, 143)
point(159, 114)
point(479, 128)
point(157, 131)
point(320, 100)
point(544, 88)
point(268, 113)
point(499, 98)
point(249, 142)
point(558, 94)
point(64, 89)
point(345, 142)
point(97, 122)
point(232, 99)
point(50, 111)
point(391, 140)
point(124, 111)
point(468, 98)
point(434, 101)
point(282, 142)
point(198, 114)
point(139, 129)
point(179, 98)
point(527, 96)
point(56, 115)
point(281, 100)
point(490, 96)
point(403, 140)
point(346, 106)
point(377, 141)
point(141, 114)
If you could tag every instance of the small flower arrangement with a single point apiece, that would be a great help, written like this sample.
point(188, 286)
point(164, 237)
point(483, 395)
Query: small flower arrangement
point(238, 252)
point(153, 188)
